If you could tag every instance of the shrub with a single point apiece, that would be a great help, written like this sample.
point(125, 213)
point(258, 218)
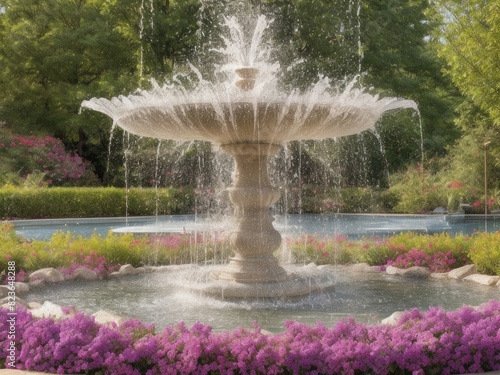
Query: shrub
point(345, 200)
point(439, 252)
point(433, 342)
point(92, 202)
point(438, 262)
point(104, 254)
point(417, 191)
point(485, 252)
point(46, 157)
point(441, 247)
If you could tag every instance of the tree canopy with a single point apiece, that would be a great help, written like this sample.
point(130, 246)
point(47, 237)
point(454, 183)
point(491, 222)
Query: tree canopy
point(56, 53)
point(471, 48)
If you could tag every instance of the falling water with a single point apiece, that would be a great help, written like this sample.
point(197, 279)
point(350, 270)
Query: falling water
point(246, 113)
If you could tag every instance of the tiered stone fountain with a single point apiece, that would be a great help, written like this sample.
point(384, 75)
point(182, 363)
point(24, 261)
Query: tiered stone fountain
point(250, 119)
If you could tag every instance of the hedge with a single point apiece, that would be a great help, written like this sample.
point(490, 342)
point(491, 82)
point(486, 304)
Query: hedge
point(60, 202)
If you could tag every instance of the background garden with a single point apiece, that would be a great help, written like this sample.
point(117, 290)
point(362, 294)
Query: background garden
point(58, 162)
point(442, 54)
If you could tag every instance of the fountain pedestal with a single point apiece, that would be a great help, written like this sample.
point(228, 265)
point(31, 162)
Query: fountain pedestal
point(254, 272)
point(255, 240)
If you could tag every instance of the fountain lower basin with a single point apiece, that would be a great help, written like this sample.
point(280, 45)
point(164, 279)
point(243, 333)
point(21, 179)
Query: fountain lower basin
point(161, 298)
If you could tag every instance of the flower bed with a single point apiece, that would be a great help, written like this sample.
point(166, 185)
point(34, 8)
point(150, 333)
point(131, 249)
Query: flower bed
point(434, 342)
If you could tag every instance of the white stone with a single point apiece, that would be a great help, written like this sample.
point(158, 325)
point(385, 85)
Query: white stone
point(108, 317)
point(393, 319)
point(127, 269)
point(460, 273)
point(48, 275)
point(84, 273)
point(22, 288)
point(34, 305)
point(482, 279)
point(391, 270)
point(49, 310)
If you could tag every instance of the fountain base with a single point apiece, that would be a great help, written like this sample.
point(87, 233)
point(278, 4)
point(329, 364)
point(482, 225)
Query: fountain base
point(301, 281)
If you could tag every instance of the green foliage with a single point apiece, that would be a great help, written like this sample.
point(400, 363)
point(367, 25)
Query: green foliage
point(485, 252)
point(400, 59)
point(63, 249)
point(56, 53)
point(311, 249)
point(346, 200)
point(459, 246)
point(36, 161)
point(379, 252)
point(472, 42)
point(92, 202)
point(417, 191)
point(169, 35)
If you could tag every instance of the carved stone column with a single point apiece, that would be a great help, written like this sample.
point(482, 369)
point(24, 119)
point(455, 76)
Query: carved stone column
point(255, 238)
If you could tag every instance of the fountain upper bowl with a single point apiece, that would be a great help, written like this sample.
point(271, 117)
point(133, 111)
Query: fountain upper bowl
point(245, 122)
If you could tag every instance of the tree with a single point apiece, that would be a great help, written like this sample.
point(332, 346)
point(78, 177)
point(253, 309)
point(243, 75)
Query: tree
point(470, 45)
point(400, 58)
point(168, 35)
point(56, 53)
point(471, 48)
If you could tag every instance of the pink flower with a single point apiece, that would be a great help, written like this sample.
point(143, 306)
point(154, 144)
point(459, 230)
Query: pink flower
point(477, 203)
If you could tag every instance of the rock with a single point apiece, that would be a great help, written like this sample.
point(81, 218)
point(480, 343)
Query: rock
point(439, 275)
point(22, 288)
point(364, 267)
point(460, 273)
point(393, 319)
point(483, 279)
point(416, 272)
point(4, 302)
point(84, 273)
point(49, 310)
point(36, 283)
point(34, 305)
point(4, 291)
point(127, 269)
point(108, 317)
point(48, 275)
point(412, 272)
point(391, 270)
point(115, 275)
point(140, 270)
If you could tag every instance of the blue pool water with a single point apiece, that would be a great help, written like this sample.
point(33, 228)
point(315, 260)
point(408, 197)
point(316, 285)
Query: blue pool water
point(351, 225)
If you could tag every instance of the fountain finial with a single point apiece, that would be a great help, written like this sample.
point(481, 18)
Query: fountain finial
point(247, 75)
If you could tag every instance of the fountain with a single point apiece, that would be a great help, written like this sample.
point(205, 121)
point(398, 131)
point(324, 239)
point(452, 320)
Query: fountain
point(250, 119)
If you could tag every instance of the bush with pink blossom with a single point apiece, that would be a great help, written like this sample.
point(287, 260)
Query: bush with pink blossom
point(432, 342)
point(47, 157)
